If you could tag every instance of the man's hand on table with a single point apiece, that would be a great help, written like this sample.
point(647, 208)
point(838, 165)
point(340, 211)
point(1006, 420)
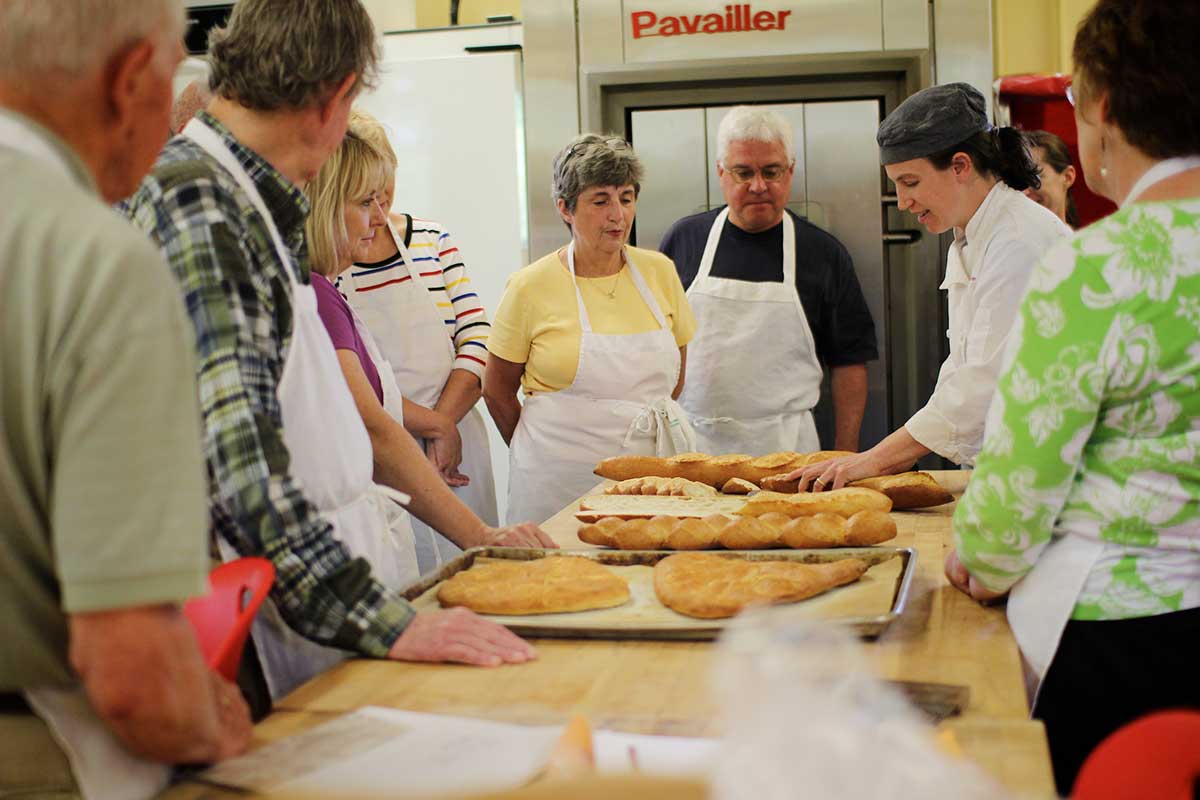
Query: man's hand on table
point(233, 716)
point(524, 535)
point(461, 636)
point(966, 583)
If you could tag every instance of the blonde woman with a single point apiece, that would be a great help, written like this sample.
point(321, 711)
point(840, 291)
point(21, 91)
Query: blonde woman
point(345, 218)
point(412, 290)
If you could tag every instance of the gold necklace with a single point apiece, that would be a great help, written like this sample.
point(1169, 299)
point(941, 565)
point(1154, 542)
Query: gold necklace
point(612, 295)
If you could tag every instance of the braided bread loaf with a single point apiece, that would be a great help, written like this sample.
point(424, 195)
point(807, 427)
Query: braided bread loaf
point(713, 470)
point(741, 533)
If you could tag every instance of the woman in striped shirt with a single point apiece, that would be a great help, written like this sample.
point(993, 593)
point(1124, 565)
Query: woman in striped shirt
point(413, 293)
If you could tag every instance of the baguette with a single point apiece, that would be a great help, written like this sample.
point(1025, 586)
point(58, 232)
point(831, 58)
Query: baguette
point(843, 502)
point(716, 471)
point(862, 529)
point(907, 490)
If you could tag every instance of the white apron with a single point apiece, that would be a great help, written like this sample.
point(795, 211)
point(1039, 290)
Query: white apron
point(620, 402)
point(411, 333)
point(331, 458)
point(753, 374)
point(101, 765)
point(1040, 606)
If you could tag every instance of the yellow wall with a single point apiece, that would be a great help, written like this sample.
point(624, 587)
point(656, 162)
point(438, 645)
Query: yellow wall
point(1035, 35)
point(436, 13)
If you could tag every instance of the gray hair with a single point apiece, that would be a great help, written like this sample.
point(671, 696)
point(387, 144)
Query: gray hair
point(287, 54)
point(754, 124)
point(40, 39)
point(593, 160)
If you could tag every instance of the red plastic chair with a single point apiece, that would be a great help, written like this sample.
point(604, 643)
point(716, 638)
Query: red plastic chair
point(222, 617)
point(1156, 756)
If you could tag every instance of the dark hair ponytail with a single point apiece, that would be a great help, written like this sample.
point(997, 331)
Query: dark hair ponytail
point(1001, 152)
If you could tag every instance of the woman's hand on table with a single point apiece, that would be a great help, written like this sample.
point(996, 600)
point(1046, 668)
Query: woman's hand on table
point(524, 535)
point(896, 453)
point(460, 636)
point(836, 472)
point(966, 583)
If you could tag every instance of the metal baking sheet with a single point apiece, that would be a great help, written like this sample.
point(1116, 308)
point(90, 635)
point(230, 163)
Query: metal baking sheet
point(868, 606)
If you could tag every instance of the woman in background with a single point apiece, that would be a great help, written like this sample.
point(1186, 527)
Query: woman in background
point(412, 290)
point(1057, 173)
point(1085, 501)
point(595, 333)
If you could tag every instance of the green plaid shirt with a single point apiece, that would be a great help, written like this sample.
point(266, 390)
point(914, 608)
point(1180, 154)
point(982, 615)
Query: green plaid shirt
point(239, 301)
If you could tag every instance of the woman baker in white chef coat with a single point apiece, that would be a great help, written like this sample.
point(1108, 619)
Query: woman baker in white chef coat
point(954, 171)
point(412, 291)
point(595, 334)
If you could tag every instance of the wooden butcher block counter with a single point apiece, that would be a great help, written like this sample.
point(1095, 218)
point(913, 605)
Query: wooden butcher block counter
point(662, 687)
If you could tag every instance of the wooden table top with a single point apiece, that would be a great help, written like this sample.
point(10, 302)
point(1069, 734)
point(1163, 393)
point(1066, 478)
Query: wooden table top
point(661, 687)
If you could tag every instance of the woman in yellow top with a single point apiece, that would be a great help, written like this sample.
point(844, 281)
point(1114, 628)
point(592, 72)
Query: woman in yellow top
point(595, 333)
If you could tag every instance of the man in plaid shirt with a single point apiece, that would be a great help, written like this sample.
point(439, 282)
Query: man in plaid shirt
point(285, 73)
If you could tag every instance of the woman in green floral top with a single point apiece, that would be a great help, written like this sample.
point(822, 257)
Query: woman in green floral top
point(1085, 500)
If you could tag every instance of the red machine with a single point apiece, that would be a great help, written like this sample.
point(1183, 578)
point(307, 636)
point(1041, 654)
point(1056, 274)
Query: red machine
point(1039, 102)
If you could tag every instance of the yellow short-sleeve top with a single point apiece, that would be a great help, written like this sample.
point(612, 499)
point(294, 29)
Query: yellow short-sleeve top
point(537, 323)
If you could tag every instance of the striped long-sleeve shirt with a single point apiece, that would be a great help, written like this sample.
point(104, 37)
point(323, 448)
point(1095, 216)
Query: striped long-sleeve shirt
point(439, 266)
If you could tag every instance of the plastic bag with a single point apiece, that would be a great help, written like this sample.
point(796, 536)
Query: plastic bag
point(804, 718)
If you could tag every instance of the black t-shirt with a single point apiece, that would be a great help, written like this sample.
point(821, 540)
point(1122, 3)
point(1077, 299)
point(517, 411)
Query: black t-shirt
point(829, 291)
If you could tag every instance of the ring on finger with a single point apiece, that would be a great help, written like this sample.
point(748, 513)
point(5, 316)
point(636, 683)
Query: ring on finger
point(818, 482)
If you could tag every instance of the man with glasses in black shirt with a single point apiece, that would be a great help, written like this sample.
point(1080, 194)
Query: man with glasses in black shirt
point(777, 301)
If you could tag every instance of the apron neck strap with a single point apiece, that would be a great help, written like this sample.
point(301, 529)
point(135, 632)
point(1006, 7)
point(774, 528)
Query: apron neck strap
point(643, 289)
point(212, 143)
point(1167, 168)
point(714, 239)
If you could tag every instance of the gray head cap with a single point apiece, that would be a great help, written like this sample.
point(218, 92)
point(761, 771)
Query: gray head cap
point(931, 121)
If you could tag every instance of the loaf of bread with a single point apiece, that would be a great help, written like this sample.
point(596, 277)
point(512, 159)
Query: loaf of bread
point(710, 586)
point(844, 502)
point(907, 490)
point(716, 471)
point(768, 531)
point(549, 585)
point(677, 487)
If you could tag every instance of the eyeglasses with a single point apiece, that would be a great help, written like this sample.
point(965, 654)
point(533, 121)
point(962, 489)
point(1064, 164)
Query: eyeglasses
point(772, 173)
point(1070, 96)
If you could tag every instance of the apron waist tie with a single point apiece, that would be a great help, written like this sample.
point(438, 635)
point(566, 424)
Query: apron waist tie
point(665, 420)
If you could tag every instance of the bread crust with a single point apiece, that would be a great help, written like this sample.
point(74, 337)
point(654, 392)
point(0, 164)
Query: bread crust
point(738, 486)
point(771, 530)
point(709, 586)
point(550, 585)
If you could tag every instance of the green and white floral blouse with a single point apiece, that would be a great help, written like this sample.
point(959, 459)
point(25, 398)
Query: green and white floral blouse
point(1095, 427)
